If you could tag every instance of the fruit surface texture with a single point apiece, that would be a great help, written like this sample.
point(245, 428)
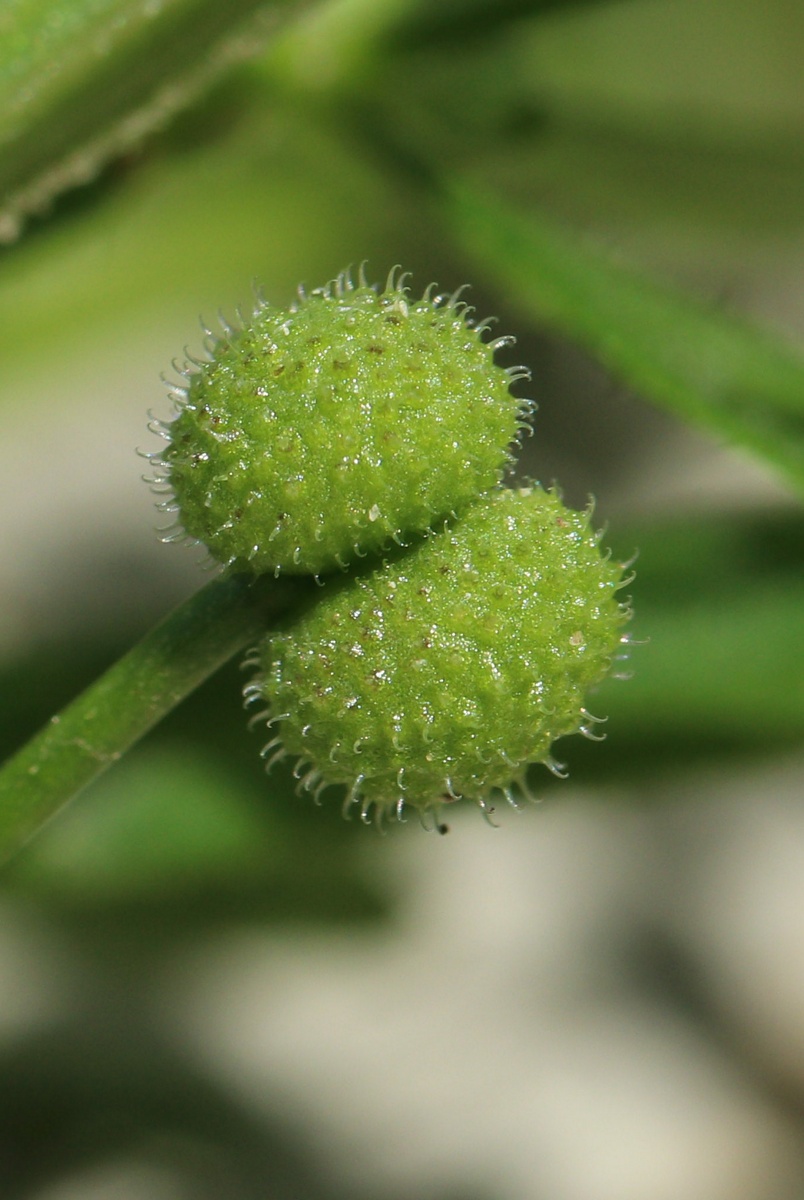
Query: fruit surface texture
point(317, 434)
point(446, 671)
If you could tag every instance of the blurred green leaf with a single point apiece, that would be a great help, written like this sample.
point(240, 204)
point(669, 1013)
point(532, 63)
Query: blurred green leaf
point(718, 664)
point(82, 80)
point(181, 830)
point(713, 201)
point(711, 370)
point(455, 22)
point(184, 231)
point(165, 824)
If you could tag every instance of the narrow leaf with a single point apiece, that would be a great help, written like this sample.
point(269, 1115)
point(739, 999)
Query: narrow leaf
point(712, 370)
point(83, 80)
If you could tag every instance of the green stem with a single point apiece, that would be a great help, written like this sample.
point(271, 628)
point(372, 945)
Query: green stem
point(133, 695)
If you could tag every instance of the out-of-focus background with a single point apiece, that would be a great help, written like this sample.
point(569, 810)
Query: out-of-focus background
point(210, 988)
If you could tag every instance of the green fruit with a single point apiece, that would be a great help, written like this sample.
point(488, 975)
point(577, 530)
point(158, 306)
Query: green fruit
point(444, 673)
point(320, 433)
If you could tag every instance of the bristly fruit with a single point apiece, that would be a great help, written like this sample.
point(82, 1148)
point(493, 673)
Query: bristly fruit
point(320, 433)
point(444, 673)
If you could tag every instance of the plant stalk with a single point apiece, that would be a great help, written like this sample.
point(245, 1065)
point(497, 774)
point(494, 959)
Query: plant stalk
point(96, 728)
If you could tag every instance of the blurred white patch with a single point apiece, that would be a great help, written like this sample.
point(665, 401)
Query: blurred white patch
point(121, 1180)
point(490, 1040)
point(741, 909)
point(37, 977)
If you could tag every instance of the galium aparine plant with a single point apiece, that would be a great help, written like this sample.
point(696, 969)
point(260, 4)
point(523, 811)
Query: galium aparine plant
point(362, 436)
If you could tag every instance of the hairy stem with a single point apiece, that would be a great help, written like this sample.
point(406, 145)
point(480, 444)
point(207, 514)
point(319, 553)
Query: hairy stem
point(138, 690)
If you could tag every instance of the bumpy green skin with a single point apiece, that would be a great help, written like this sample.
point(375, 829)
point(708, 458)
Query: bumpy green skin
point(320, 433)
point(445, 673)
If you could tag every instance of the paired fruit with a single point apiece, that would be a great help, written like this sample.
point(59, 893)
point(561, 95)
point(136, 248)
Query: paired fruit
point(361, 418)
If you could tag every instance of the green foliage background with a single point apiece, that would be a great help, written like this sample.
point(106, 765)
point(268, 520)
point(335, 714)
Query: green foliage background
point(621, 182)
